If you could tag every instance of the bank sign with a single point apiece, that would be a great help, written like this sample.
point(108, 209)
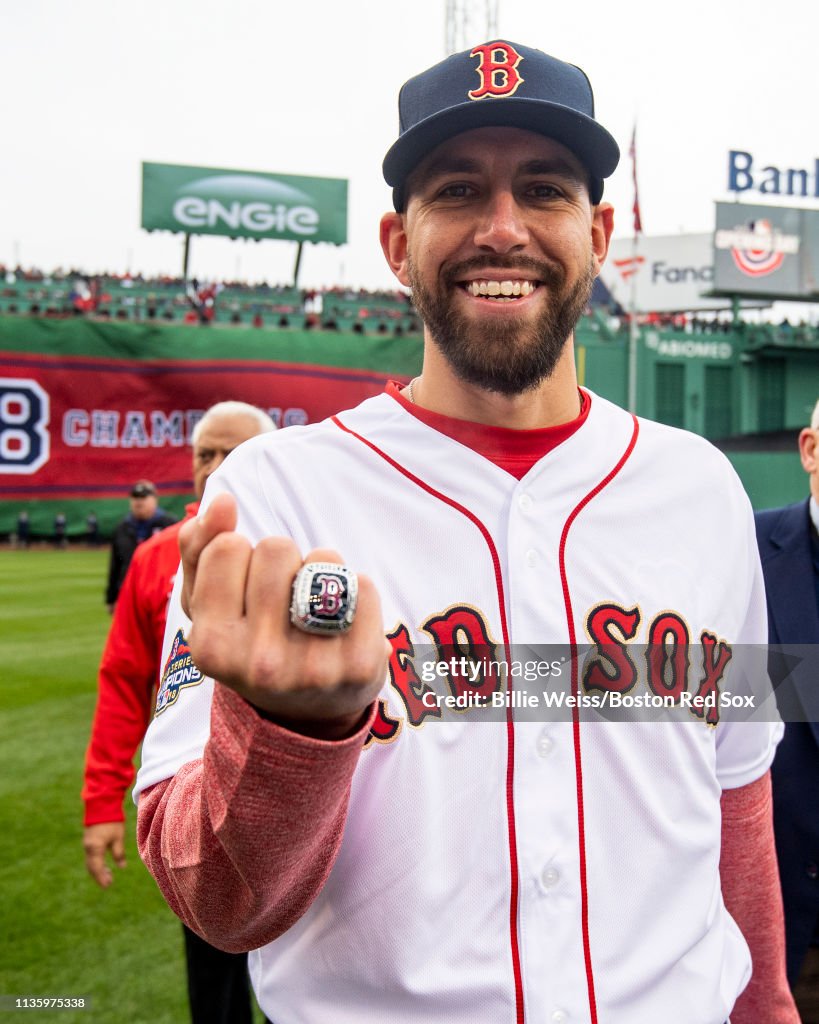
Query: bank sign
point(745, 174)
point(243, 204)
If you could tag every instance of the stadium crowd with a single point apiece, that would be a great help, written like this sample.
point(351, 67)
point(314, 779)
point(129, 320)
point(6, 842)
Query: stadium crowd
point(137, 297)
point(171, 299)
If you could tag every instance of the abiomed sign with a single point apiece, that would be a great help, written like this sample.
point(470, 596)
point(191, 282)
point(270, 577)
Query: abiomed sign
point(243, 204)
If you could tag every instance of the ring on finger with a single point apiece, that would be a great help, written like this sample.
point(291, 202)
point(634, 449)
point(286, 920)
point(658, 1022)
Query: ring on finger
point(324, 598)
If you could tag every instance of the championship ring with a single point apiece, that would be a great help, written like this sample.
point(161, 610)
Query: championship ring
point(324, 598)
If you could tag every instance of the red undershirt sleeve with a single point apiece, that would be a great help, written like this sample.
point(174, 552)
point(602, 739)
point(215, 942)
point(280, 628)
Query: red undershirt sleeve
point(241, 841)
point(750, 887)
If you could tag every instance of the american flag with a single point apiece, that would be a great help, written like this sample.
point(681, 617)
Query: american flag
point(638, 223)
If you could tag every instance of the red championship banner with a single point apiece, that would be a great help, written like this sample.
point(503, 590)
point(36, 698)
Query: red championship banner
point(74, 427)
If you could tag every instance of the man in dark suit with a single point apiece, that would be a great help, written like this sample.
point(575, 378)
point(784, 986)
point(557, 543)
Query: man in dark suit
point(789, 547)
point(144, 520)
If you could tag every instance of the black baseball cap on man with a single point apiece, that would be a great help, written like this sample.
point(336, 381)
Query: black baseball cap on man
point(499, 84)
point(142, 489)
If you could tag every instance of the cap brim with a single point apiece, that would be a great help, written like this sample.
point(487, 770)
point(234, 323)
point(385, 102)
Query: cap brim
point(589, 141)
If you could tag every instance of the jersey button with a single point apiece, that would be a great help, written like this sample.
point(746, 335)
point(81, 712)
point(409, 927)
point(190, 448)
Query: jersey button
point(559, 1017)
point(531, 558)
point(550, 877)
point(545, 744)
point(524, 502)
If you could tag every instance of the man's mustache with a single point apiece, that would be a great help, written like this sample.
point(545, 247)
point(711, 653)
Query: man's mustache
point(536, 270)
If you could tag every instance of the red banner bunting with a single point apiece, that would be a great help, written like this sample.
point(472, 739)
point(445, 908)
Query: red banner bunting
point(82, 427)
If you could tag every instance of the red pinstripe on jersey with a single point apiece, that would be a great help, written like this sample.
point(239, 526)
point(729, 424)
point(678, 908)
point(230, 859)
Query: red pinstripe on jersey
point(578, 761)
point(510, 730)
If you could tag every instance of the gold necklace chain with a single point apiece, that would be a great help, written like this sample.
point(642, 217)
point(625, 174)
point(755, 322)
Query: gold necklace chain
point(408, 391)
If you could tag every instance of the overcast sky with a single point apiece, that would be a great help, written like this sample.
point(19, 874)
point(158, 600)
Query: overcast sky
point(89, 89)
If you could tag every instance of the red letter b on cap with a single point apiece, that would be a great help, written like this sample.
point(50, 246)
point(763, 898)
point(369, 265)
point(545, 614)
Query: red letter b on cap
point(496, 70)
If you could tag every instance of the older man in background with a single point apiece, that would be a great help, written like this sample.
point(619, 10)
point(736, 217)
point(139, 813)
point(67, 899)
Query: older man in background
point(128, 676)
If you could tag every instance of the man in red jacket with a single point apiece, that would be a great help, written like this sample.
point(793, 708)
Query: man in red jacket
point(128, 674)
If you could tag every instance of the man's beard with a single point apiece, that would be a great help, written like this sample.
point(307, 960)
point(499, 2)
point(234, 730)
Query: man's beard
point(509, 357)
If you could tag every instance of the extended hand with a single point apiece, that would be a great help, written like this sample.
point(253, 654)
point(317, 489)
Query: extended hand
point(238, 600)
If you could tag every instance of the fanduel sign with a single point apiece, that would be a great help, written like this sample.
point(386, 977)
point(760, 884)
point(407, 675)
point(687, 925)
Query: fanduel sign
point(243, 204)
point(667, 274)
point(744, 175)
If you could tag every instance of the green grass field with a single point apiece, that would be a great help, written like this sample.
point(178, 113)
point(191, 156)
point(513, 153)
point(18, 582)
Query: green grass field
point(61, 935)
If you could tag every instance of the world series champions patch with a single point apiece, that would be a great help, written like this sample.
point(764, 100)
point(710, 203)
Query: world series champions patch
point(179, 673)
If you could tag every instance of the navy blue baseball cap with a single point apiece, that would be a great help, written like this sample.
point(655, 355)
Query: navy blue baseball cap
point(499, 84)
point(142, 489)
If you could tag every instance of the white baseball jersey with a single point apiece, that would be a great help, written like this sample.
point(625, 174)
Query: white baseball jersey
point(532, 870)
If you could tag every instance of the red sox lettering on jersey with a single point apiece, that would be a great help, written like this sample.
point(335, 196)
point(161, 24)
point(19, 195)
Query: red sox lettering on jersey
point(668, 655)
point(610, 667)
point(524, 836)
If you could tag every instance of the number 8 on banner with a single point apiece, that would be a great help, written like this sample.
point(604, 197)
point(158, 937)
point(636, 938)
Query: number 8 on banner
point(24, 440)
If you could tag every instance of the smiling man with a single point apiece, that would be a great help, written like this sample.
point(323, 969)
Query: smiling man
point(307, 800)
point(501, 248)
